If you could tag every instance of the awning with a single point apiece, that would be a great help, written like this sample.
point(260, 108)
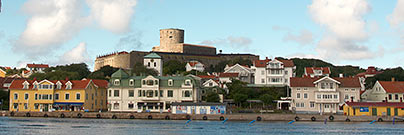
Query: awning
point(68, 103)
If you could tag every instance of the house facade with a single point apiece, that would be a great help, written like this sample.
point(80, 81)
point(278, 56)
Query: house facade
point(58, 95)
point(273, 72)
point(2, 73)
point(150, 93)
point(323, 95)
point(245, 73)
point(385, 91)
point(40, 68)
point(194, 65)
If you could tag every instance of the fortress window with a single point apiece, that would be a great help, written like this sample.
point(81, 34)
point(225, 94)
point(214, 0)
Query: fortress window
point(170, 36)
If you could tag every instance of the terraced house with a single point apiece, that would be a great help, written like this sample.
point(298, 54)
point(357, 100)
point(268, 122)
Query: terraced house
point(58, 95)
point(150, 93)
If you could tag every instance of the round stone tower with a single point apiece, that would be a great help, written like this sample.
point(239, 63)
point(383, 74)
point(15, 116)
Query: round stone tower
point(171, 36)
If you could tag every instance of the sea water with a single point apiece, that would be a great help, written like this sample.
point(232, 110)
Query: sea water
point(43, 126)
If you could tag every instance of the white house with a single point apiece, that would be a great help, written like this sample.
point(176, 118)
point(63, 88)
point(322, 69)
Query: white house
point(323, 95)
point(317, 71)
point(273, 72)
point(390, 91)
point(153, 61)
point(245, 73)
point(194, 65)
point(40, 68)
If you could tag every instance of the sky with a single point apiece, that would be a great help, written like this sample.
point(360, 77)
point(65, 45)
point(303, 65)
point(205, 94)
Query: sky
point(344, 32)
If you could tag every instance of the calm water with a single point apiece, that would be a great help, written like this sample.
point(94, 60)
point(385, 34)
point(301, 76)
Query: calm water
point(110, 126)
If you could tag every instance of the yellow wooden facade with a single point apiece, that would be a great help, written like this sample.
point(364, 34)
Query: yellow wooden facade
point(388, 110)
point(37, 98)
point(2, 73)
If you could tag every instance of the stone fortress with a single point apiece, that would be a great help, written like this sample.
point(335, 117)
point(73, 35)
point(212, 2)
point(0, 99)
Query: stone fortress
point(172, 47)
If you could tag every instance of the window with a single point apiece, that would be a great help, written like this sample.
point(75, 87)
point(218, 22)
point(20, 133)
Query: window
point(59, 86)
point(305, 88)
point(301, 104)
point(26, 96)
point(57, 96)
point(161, 93)
point(298, 95)
point(77, 96)
point(155, 64)
point(318, 96)
point(353, 89)
point(36, 106)
point(286, 72)
point(25, 106)
point(148, 64)
point(156, 94)
point(298, 89)
point(187, 82)
point(130, 105)
point(262, 80)
point(297, 104)
point(131, 93)
point(139, 93)
point(15, 96)
point(170, 93)
point(170, 82)
point(149, 82)
point(116, 105)
point(144, 93)
point(144, 82)
point(322, 85)
point(156, 82)
point(187, 93)
point(262, 72)
point(116, 82)
point(390, 97)
point(116, 93)
point(109, 93)
point(68, 86)
point(25, 86)
point(50, 96)
point(335, 96)
point(131, 82)
point(396, 97)
point(149, 93)
point(36, 96)
point(311, 104)
point(305, 95)
point(92, 96)
point(15, 105)
point(286, 80)
point(331, 85)
point(326, 106)
point(67, 96)
point(346, 89)
point(346, 96)
point(86, 96)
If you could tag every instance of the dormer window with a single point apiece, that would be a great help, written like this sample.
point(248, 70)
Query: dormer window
point(149, 82)
point(58, 85)
point(116, 82)
point(187, 82)
point(69, 85)
point(131, 82)
point(170, 82)
point(25, 86)
point(156, 82)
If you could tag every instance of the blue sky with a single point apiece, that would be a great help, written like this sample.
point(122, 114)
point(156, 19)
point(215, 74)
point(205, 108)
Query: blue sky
point(346, 32)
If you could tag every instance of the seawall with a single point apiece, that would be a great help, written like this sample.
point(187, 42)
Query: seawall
point(216, 117)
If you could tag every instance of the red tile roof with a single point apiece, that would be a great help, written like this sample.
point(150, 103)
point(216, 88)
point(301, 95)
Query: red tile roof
point(367, 104)
point(193, 63)
point(370, 71)
point(261, 63)
point(309, 82)
point(310, 70)
point(287, 63)
point(228, 75)
point(77, 84)
point(38, 65)
point(393, 87)
point(6, 80)
point(207, 76)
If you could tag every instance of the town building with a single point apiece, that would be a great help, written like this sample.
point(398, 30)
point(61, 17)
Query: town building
point(228, 77)
point(58, 95)
point(198, 108)
point(194, 65)
point(370, 72)
point(2, 73)
point(245, 73)
point(323, 95)
point(317, 71)
point(129, 93)
point(40, 68)
point(374, 109)
point(171, 48)
point(172, 40)
point(276, 72)
point(385, 91)
point(6, 82)
point(153, 61)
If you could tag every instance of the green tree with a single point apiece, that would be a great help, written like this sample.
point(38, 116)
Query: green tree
point(212, 97)
point(240, 98)
point(266, 99)
point(103, 73)
point(140, 69)
point(173, 67)
point(80, 68)
point(387, 75)
point(195, 72)
point(4, 96)
point(56, 75)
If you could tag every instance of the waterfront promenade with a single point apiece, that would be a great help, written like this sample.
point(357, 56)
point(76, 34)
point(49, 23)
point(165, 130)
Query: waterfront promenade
point(229, 117)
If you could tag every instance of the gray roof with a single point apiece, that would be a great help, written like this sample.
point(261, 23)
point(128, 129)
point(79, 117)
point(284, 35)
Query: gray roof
point(153, 55)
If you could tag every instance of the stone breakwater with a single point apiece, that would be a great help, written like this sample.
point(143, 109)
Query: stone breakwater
point(216, 117)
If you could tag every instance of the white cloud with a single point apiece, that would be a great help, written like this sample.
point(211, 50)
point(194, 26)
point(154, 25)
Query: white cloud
point(397, 17)
point(345, 29)
point(113, 15)
point(304, 37)
point(78, 54)
point(50, 24)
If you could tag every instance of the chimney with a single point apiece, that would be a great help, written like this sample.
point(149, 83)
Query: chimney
point(341, 75)
point(393, 79)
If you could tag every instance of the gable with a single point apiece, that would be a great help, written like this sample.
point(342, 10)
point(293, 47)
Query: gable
point(327, 79)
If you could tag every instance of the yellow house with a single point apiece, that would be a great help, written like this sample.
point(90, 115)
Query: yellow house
point(58, 95)
point(2, 73)
point(374, 108)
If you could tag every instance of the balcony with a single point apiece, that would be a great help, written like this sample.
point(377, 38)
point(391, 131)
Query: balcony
point(327, 97)
point(186, 99)
point(149, 98)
